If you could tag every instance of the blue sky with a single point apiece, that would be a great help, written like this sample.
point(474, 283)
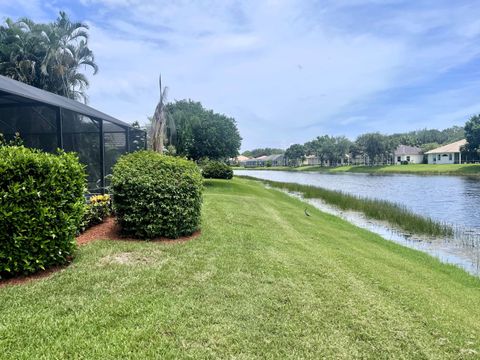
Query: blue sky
point(287, 71)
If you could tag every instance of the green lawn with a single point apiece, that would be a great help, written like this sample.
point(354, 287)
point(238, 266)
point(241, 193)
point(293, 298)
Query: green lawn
point(420, 169)
point(262, 281)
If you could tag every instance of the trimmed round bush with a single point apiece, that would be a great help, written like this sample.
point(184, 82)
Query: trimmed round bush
point(156, 195)
point(41, 206)
point(217, 170)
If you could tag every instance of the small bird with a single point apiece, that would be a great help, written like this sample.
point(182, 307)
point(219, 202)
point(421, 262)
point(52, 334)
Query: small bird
point(306, 212)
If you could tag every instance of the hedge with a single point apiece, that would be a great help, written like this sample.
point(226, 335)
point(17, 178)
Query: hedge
point(217, 170)
point(41, 206)
point(156, 195)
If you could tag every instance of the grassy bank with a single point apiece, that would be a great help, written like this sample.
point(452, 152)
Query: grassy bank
point(395, 214)
point(262, 281)
point(419, 169)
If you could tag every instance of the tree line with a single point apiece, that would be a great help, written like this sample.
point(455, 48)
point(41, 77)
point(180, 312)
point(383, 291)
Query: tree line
point(375, 147)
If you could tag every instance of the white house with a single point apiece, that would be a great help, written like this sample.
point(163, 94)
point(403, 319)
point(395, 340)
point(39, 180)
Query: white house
point(447, 154)
point(409, 154)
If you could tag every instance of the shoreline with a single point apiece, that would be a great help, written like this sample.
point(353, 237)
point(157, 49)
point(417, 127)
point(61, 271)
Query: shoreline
point(468, 170)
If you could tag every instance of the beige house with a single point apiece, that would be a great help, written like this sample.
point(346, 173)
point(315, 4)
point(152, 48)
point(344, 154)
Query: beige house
point(447, 154)
point(239, 160)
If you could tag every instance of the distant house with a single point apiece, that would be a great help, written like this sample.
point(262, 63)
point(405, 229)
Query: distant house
point(270, 160)
point(315, 160)
point(239, 160)
point(447, 154)
point(311, 160)
point(255, 162)
point(275, 160)
point(409, 154)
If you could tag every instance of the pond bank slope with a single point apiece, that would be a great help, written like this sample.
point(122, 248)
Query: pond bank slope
point(262, 281)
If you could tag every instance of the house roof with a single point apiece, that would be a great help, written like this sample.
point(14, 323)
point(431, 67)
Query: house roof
point(273, 157)
point(242, 158)
point(449, 148)
point(13, 92)
point(407, 150)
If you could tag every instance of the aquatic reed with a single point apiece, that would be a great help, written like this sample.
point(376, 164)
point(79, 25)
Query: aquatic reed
point(395, 214)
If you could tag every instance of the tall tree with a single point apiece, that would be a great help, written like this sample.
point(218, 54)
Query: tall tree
point(48, 56)
point(378, 147)
point(295, 154)
point(202, 133)
point(20, 51)
point(472, 134)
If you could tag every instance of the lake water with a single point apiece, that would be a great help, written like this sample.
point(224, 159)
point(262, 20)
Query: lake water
point(452, 200)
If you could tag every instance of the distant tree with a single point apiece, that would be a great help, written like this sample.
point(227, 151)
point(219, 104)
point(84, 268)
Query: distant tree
point(472, 134)
point(341, 148)
point(376, 146)
point(428, 136)
point(263, 152)
point(429, 146)
point(202, 133)
point(321, 147)
point(137, 138)
point(453, 134)
point(295, 154)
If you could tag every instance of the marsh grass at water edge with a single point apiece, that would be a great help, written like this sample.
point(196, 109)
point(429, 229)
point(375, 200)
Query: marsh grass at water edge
point(395, 214)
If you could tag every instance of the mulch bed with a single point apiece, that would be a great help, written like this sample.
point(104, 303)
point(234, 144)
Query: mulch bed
point(108, 230)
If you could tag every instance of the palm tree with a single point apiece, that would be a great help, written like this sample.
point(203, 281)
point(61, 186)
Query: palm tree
point(48, 56)
point(19, 51)
point(67, 51)
point(159, 120)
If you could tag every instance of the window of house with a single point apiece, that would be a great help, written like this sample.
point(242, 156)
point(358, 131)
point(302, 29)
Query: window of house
point(450, 157)
point(408, 158)
point(399, 158)
point(439, 156)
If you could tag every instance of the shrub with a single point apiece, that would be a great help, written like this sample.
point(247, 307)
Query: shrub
point(217, 170)
point(156, 195)
point(97, 209)
point(41, 206)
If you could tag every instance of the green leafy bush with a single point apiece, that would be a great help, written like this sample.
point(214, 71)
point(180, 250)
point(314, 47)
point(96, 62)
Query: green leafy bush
point(41, 206)
point(217, 170)
point(97, 209)
point(156, 195)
